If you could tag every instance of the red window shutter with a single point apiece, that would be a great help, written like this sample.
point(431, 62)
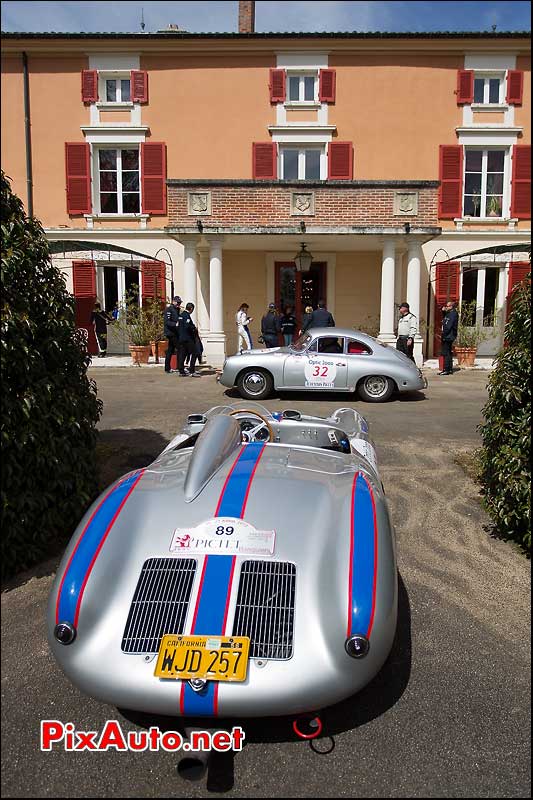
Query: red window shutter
point(521, 182)
point(154, 174)
point(515, 87)
point(446, 288)
point(264, 160)
point(153, 279)
point(451, 180)
point(277, 85)
point(517, 272)
point(326, 86)
point(139, 86)
point(89, 85)
point(465, 86)
point(78, 170)
point(340, 161)
point(84, 279)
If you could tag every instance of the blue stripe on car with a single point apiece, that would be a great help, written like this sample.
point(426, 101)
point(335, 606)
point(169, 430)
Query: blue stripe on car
point(363, 558)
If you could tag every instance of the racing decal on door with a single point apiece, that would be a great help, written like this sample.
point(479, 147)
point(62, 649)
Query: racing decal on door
point(363, 558)
point(320, 372)
point(88, 547)
point(212, 603)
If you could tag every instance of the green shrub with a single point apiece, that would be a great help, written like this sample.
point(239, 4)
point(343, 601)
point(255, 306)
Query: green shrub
point(49, 406)
point(506, 432)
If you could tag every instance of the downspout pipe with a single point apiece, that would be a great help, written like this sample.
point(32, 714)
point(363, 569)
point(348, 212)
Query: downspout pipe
point(27, 130)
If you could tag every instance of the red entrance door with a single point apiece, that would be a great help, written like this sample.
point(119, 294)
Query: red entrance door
point(299, 289)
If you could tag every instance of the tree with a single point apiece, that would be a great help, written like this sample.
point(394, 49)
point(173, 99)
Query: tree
point(49, 405)
point(506, 432)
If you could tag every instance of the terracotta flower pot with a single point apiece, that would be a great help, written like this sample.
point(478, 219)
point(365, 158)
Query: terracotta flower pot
point(140, 353)
point(162, 346)
point(466, 356)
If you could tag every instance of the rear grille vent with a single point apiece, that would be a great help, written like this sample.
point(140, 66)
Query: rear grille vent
point(265, 608)
point(160, 603)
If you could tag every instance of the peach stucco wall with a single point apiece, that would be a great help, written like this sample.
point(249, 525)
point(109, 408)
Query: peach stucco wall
point(387, 106)
point(523, 113)
point(357, 288)
point(252, 290)
point(209, 110)
point(12, 139)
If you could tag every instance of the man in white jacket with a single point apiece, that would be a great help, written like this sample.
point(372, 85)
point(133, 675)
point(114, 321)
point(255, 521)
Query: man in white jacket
point(243, 320)
point(407, 330)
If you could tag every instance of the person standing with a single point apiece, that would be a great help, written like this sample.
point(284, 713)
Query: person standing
point(321, 317)
point(171, 324)
point(198, 346)
point(187, 344)
point(407, 330)
point(243, 320)
point(100, 320)
point(270, 327)
point(306, 318)
point(288, 325)
point(450, 322)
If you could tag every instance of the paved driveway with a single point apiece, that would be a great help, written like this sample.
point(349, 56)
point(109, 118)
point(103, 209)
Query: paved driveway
point(449, 714)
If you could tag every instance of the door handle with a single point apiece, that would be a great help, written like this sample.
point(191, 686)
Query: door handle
point(340, 364)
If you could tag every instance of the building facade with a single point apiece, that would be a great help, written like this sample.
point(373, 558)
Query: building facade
point(199, 164)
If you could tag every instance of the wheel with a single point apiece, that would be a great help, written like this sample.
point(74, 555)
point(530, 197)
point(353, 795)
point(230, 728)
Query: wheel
point(375, 388)
point(255, 384)
point(251, 430)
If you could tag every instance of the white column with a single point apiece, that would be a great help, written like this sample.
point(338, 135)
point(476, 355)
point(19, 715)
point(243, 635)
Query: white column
point(203, 294)
point(386, 319)
point(413, 293)
point(190, 271)
point(216, 339)
point(216, 307)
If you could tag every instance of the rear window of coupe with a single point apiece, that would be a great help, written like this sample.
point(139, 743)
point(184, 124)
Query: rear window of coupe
point(356, 348)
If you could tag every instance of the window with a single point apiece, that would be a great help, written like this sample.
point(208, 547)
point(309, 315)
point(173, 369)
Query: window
point(302, 88)
point(484, 182)
point(117, 90)
point(301, 163)
point(114, 87)
point(356, 348)
point(118, 181)
point(488, 89)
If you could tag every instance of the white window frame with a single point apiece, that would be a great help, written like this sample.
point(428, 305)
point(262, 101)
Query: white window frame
point(114, 75)
point(506, 194)
point(486, 76)
point(301, 148)
point(96, 180)
point(301, 74)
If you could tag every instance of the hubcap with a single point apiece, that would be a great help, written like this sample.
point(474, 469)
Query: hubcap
point(376, 385)
point(254, 383)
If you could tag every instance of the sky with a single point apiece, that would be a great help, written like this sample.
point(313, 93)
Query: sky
point(276, 16)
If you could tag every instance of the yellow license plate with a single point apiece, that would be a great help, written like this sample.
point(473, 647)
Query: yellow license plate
point(213, 658)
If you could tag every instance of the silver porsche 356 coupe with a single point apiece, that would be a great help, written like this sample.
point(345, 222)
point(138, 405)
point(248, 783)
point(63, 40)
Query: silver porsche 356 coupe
point(332, 359)
point(250, 570)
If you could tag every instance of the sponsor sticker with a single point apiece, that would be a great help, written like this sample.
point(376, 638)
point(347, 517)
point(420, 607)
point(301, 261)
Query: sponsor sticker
point(223, 536)
point(320, 372)
point(366, 450)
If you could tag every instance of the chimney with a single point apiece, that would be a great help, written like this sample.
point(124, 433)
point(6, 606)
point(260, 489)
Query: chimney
point(246, 16)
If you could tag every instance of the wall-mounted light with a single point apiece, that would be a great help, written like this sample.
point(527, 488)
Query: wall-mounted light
point(303, 259)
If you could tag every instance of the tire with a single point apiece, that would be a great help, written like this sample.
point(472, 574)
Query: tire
point(255, 384)
point(375, 388)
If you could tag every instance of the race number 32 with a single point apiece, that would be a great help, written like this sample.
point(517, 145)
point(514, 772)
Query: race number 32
point(320, 371)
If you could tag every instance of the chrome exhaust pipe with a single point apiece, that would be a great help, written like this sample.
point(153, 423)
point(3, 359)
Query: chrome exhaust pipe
point(193, 764)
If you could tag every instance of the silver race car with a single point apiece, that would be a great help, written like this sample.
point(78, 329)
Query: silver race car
point(333, 359)
point(250, 570)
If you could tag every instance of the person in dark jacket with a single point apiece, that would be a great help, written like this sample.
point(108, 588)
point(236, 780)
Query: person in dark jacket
point(450, 322)
point(270, 327)
point(306, 318)
point(171, 322)
point(100, 320)
point(288, 325)
point(198, 346)
point(321, 317)
point(187, 344)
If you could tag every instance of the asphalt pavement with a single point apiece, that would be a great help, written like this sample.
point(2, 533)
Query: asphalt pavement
point(447, 716)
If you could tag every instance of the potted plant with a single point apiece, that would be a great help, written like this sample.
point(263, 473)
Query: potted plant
point(470, 334)
point(134, 320)
point(494, 206)
point(154, 322)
